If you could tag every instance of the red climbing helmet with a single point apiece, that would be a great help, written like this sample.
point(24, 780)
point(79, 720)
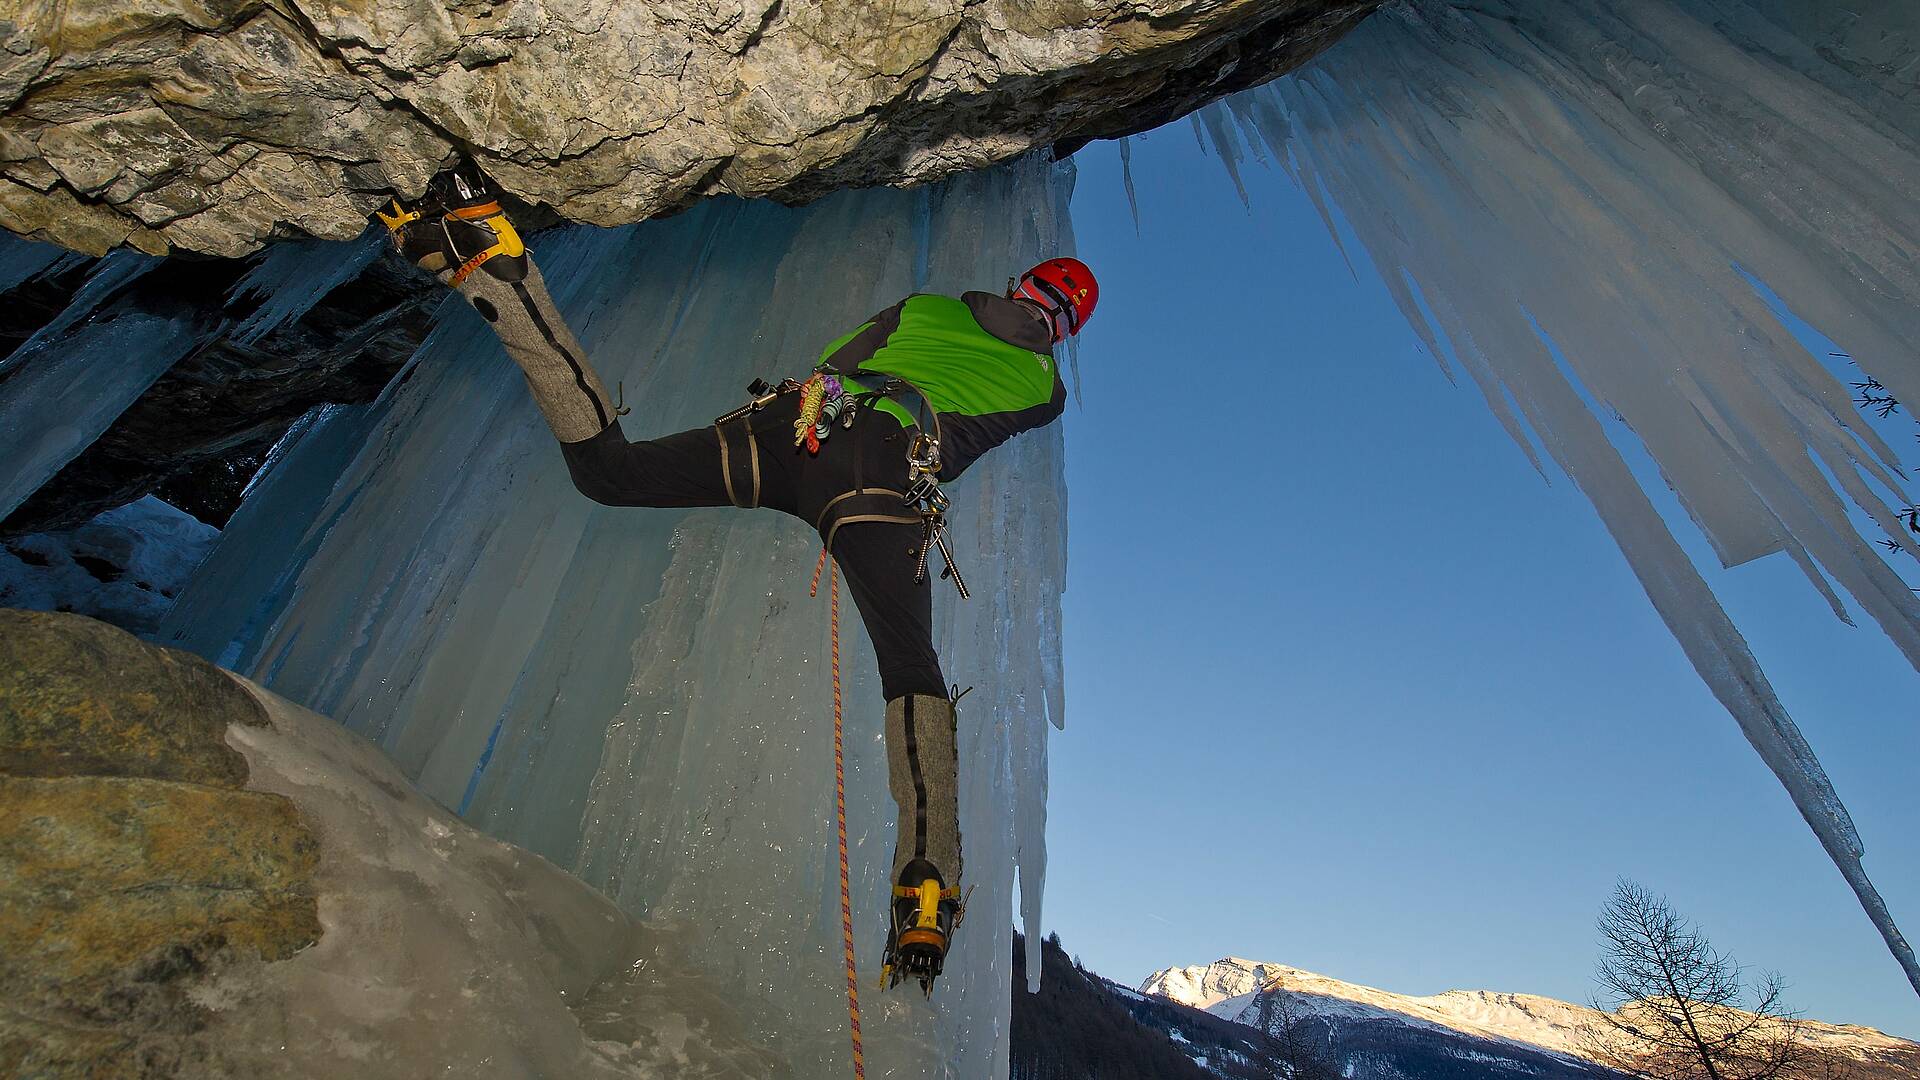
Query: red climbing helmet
point(1066, 289)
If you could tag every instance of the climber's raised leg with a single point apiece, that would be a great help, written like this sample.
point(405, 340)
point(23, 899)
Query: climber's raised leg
point(459, 233)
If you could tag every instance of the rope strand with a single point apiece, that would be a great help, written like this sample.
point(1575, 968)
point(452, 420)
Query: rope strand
point(840, 812)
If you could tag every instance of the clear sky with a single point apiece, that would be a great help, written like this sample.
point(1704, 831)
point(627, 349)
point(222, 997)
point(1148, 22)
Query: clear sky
point(1350, 687)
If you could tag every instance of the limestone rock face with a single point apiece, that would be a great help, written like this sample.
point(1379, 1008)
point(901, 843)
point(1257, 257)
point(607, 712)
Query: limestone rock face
point(214, 125)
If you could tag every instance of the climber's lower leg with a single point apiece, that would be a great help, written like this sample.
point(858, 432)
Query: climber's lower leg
point(923, 771)
point(565, 387)
point(922, 752)
point(880, 560)
point(459, 233)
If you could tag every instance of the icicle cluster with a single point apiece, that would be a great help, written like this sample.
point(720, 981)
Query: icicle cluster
point(639, 694)
point(1618, 212)
point(64, 386)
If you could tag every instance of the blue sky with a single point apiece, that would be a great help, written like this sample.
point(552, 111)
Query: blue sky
point(1351, 688)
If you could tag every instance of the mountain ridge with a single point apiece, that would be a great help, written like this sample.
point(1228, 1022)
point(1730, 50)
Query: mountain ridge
point(1232, 987)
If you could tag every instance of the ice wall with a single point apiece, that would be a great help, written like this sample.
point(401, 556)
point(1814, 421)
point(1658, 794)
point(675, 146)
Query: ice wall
point(66, 385)
point(1610, 217)
point(642, 695)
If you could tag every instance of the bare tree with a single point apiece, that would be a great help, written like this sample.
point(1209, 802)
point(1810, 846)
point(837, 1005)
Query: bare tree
point(1289, 1039)
point(1673, 1008)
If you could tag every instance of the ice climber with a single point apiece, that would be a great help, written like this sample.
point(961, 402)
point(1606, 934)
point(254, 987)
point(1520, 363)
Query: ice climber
point(977, 370)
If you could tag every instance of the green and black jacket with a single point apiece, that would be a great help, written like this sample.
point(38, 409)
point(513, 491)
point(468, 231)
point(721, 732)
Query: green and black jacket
point(983, 363)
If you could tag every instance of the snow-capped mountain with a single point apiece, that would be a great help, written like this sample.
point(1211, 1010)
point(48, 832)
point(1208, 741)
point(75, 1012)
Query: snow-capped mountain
point(1350, 1014)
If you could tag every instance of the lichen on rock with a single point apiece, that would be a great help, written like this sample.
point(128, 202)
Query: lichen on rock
point(79, 698)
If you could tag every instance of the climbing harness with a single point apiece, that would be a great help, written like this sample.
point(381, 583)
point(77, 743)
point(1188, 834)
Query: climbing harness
point(840, 811)
point(925, 496)
point(828, 397)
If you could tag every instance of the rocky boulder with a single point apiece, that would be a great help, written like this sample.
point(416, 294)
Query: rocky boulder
point(133, 857)
point(214, 125)
point(198, 878)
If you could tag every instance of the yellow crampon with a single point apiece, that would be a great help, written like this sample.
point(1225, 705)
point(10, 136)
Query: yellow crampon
point(926, 919)
point(399, 219)
point(506, 241)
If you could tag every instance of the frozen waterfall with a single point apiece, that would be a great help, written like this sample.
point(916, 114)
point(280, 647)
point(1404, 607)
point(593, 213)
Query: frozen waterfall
point(1635, 226)
point(642, 695)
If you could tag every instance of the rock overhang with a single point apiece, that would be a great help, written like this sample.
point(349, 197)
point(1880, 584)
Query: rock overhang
point(216, 126)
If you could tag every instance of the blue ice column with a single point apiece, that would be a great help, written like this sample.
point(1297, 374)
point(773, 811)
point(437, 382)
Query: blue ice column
point(640, 694)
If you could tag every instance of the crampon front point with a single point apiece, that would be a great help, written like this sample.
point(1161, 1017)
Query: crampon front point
point(924, 916)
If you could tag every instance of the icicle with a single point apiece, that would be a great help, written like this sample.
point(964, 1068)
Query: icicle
point(290, 278)
point(1126, 178)
point(110, 275)
point(651, 682)
point(1583, 199)
point(64, 386)
point(22, 260)
point(56, 399)
point(1215, 122)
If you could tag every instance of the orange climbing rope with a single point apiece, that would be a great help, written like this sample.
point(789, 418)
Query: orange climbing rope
point(840, 809)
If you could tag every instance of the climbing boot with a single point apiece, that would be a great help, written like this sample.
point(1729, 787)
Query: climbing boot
point(925, 912)
point(923, 774)
point(456, 228)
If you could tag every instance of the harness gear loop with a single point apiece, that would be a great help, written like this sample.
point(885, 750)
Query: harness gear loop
point(822, 400)
point(763, 394)
point(924, 494)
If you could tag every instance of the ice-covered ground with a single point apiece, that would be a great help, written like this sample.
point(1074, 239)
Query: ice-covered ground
point(123, 567)
point(642, 695)
point(445, 952)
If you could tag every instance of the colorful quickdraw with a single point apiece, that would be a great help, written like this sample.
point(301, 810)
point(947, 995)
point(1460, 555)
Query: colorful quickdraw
point(822, 399)
point(805, 429)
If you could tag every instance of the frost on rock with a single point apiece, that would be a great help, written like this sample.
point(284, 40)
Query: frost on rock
point(1623, 210)
point(641, 694)
point(446, 952)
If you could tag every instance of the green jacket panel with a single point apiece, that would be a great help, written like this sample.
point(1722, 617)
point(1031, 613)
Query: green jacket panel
point(984, 364)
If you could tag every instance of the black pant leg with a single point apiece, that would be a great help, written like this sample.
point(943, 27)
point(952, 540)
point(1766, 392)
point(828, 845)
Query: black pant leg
point(741, 466)
point(879, 559)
